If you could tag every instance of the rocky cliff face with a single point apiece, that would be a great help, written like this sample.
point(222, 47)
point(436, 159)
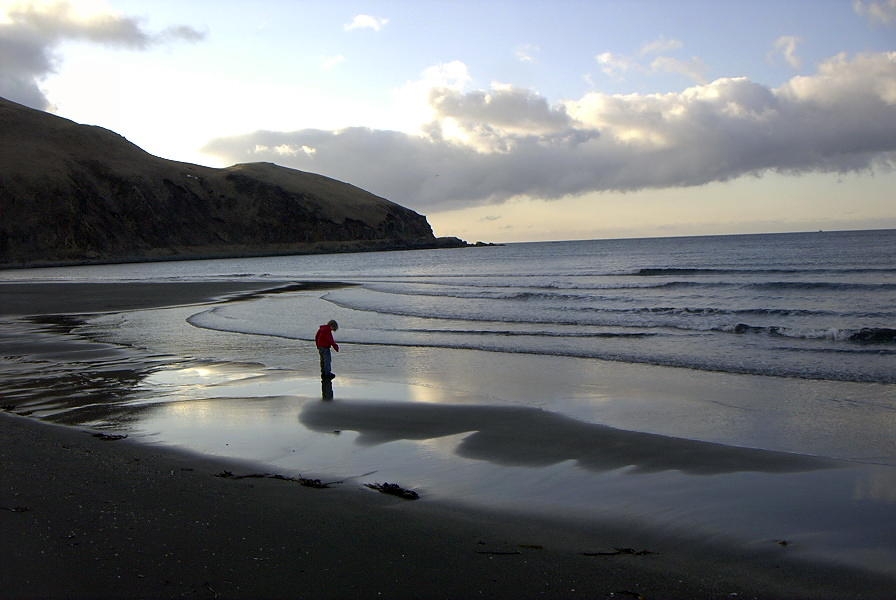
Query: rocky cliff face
point(73, 193)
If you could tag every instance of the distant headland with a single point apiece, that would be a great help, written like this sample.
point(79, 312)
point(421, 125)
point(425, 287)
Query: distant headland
point(79, 194)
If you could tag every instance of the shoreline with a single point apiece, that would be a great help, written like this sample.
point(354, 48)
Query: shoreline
point(129, 519)
point(212, 253)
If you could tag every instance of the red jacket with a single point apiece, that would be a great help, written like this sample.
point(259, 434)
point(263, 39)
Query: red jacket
point(324, 338)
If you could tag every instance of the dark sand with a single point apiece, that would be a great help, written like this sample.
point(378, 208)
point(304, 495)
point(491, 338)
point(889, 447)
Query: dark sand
point(82, 517)
point(74, 298)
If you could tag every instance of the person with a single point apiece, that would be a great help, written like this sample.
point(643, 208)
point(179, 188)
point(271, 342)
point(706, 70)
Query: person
point(324, 340)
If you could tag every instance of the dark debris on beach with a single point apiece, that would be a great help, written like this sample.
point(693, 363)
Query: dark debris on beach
point(620, 552)
point(303, 481)
point(110, 437)
point(393, 489)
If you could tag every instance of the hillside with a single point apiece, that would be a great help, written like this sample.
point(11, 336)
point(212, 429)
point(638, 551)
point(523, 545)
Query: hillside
point(73, 193)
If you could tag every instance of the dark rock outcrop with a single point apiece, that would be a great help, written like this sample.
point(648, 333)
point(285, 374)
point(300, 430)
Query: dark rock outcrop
point(73, 193)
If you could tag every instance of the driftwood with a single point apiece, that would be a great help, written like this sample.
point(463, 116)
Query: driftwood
point(303, 481)
point(109, 437)
point(619, 551)
point(393, 489)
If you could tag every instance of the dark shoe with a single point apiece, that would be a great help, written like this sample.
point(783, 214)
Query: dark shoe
point(331, 376)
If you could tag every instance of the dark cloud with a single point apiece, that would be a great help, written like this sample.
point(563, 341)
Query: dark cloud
point(512, 142)
point(23, 61)
point(28, 41)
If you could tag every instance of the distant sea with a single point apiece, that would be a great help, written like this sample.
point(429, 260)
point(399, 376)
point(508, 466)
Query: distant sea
point(802, 305)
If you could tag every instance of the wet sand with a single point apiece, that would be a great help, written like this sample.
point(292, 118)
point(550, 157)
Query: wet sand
point(76, 298)
point(85, 517)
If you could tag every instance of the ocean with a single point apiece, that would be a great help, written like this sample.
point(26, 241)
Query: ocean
point(804, 305)
point(737, 387)
point(813, 306)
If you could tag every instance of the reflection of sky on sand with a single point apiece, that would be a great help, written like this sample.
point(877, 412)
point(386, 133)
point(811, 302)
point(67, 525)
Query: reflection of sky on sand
point(525, 458)
point(212, 374)
point(212, 379)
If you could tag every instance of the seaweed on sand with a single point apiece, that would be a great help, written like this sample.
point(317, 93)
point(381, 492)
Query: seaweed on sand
point(393, 489)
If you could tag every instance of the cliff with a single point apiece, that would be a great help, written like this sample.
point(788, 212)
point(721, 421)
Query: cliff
point(73, 193)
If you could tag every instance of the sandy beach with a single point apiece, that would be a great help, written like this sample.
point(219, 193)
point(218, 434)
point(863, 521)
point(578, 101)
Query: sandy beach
point(87, 517)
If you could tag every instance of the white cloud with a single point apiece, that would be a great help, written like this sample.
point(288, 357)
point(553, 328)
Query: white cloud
point(880, 12)
point(512, 142)
point(785, 46)
point(30, 32)
point(694, 69)
point(661, 46)
point(366, 22)
point(499, 120)
point(527, 52)
point(615, 65)
point(413, 99)
point(284, 150)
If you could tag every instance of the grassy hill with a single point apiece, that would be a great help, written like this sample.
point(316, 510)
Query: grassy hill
point(73, 193)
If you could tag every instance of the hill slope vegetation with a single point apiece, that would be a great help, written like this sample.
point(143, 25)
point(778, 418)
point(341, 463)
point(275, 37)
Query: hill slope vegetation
point(73, 193)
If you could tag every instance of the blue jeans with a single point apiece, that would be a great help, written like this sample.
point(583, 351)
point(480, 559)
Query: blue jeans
point(326, 361)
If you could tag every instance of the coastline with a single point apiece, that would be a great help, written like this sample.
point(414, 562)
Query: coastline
point(123, 519)
point(233, 251)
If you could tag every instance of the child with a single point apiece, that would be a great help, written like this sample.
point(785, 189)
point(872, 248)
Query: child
point(324, 340)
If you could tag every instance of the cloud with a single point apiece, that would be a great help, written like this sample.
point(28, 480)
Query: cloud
point(29, 33)
point(366, 22)
point(615, 65)
point(501, 111)
point(180, 33)
point(785, 46)
point(412, 100)
point(661, 46)
point(484, 147)
point(879, 12)
point(693, 69)
point(527, 52)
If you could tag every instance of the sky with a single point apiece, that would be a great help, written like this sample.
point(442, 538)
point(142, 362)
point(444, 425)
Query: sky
point(499, 120)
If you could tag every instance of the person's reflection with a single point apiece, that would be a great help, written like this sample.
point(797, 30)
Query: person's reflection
point(326, 389)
